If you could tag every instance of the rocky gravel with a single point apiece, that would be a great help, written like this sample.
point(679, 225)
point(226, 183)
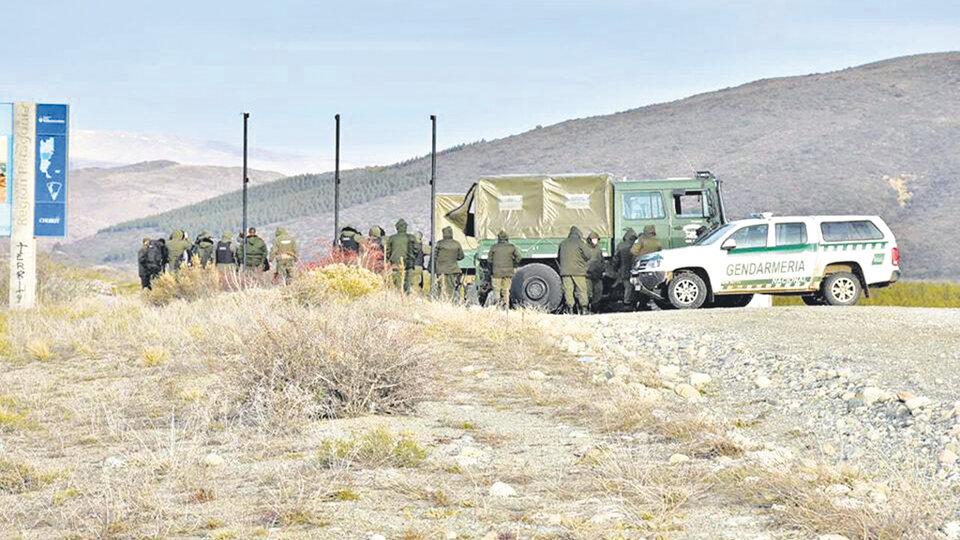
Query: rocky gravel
point(874, 386)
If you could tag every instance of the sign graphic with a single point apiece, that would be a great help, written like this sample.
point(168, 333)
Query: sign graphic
point(6, 168)
point(50, 217)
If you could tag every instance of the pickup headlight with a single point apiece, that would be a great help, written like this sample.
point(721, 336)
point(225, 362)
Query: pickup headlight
point(650, 264)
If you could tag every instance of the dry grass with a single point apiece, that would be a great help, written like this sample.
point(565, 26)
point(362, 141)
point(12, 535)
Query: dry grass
point(653, 495)
point(826, 500)
point(344, 361)
point(378, 447)
point(18, 476)
point(189, 283)
point(317, 286)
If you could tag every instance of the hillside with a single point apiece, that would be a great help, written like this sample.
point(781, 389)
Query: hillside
point(880, 139)
point(104, 196)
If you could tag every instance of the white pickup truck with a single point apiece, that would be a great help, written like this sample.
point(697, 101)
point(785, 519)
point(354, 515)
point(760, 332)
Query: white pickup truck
point(823, 259)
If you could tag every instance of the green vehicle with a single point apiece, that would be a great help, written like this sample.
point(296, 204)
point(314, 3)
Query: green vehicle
point(537, 212)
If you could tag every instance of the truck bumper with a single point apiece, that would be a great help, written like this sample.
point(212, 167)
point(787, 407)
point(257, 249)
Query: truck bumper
point(649, 283)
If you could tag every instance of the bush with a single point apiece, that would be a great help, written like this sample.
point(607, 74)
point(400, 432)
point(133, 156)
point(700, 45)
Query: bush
point(190, 283)
point(314, 286)
point(374, 448)
point(347, 361)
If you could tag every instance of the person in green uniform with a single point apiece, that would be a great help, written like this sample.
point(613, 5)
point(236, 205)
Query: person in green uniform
point(574, 256)
point(284, 255)
point(504, 259)
point(594, 271)
point(449, 253)
point(397, 249)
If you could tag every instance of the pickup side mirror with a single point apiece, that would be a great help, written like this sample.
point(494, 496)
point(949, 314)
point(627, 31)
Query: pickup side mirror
point(728, 244)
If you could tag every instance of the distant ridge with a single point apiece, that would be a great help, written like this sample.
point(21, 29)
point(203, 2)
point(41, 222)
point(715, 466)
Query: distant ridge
point(883, 138)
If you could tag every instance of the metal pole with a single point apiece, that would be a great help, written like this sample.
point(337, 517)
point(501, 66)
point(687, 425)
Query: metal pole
point(433, 203)
point(336, 186)
point(243, 233)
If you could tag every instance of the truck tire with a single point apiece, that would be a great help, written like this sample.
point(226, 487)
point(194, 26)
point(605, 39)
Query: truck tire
point(841, 289)
point(537, 286)
point(687, 291)
point(732, 300)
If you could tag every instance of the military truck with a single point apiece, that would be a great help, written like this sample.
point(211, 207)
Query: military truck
point(537, 211)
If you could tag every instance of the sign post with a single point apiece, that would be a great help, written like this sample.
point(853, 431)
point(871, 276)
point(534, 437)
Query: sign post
point(37, 172)
point(23, 245)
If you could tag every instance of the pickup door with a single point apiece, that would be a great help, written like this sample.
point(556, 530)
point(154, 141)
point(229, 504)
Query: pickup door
point(770, 257)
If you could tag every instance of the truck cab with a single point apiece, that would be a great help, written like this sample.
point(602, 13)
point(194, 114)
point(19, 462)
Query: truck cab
point(680, 209)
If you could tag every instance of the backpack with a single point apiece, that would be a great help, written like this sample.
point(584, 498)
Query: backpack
point(153, 258)
point(224, 253)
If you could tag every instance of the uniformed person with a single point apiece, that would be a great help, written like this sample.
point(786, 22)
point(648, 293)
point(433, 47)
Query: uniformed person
point(204, 247)
point(595, 271)
point(504, 259)
point(448, 254)
point(348, 241)
point(623, 263)
point(647, 243)
point(414, 275)
point(178, 249)
point(225, 253)
point(257, 260)
point(284, 255)
point(143, 265)
point(398, 248)
point(574, 256)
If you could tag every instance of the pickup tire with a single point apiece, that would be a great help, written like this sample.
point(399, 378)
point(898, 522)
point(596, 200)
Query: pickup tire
point(537, 286)
point(687, 291)
point(841, 289)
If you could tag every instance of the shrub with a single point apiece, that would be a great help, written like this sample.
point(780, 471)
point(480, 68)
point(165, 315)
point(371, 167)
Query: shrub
point(13, 415)
point(155, 356)
point(377, 447)
point(190, 283)
point(19, 477)
point(345, 361)
point(314, 286)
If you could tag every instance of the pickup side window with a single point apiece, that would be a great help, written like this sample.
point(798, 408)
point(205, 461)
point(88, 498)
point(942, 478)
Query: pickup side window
point(643, 205)
point(754, 236)
point(850, 231)
point(791, 234)
point(690, 204)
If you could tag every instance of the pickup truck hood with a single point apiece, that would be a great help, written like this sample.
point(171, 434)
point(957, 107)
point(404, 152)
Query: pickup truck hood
point(671, 259)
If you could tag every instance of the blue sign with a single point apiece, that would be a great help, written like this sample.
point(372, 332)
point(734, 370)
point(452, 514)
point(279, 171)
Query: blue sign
point(50, 210)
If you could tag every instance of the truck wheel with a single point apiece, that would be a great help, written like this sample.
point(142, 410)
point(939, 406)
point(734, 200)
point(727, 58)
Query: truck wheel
point(537, 286)
point(687, 291)
point(841, 289)
point(812, 300)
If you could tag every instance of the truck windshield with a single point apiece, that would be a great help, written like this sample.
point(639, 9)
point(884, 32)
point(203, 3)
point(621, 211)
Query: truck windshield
point(715, 235)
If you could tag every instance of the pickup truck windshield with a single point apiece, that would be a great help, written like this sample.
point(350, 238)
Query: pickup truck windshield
point(715, 235)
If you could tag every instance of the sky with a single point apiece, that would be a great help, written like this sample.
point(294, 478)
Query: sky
point(146, 79)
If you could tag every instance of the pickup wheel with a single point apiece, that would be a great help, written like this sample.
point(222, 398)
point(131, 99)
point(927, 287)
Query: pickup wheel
point(841, 289)
point(687, 291)
point(537, 286)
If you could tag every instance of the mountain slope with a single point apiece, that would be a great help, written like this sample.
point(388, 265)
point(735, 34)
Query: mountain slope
point(103, 196)
point(852, 141)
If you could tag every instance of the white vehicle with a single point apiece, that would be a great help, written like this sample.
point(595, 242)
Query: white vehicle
point(823, 259)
